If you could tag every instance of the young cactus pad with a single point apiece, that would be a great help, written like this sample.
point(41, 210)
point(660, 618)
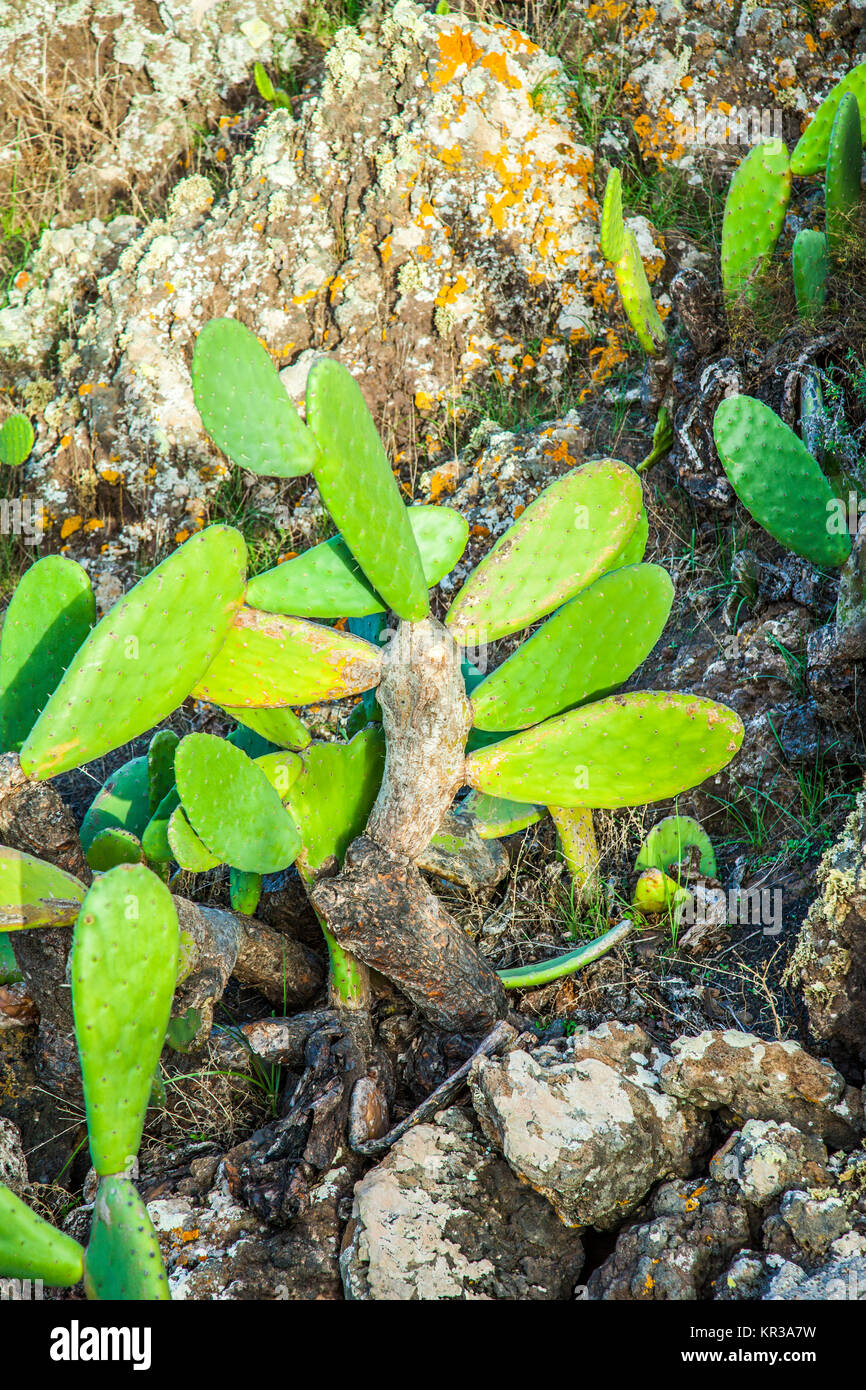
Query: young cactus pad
point(122, 803)
point(244, 406)
point(128, 676)
point(111, 847)
point(619, 246)
point(160, 766)
point(327, 581)
point(586, 650)
point(188, 850)
point(50, 614)
point(612, 236)
point(842, 181)
point(16, 440)
point(494, 817)
point(268, 660)
point(357, 486)
point(332, 798)
point(668, 842)
point(810, 151)
point(777, 480)
point(31, 1248)
point(570, 535)
point(623, 751)
point(754, 213)
point(810, 264)
point(34, 893)
point(123, 970)
point(122, 1260)
point(213, 777)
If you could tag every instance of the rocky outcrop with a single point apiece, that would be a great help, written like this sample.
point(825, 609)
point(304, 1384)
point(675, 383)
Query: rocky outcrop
point(585, 1121)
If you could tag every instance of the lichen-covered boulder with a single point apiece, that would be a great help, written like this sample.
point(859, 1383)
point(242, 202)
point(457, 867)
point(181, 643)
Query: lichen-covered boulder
point(765, 1158)
point(443, 1217)
point(585, 1122)
point(746, 1077)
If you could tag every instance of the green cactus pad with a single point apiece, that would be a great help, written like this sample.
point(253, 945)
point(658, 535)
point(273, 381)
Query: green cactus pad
point(635, 547)
point(16, 440)
point(154, 839)
point(9, 972)
point(587, 649)
point(123, 968)
point(244, 406)
point(31, 1248)
point(279, 726)
point(570, 535)
point(111, 847)
point(623, 751)
point(160, 766)
point(34, 893)
point(842, 182)
point(810, 266)
point(638, 302)
point(777, 480)
point(51, 613)
point(494, 817)
point(327, 581)
point(281, 770)
point(244, 891)
point(232, 806)
point(268, 660)
point(810, 152)
point(123, 1261)
point(128, 675)
point(121, 804)
point(361, 493)
point(186, 847)
point(612, 227)
point(332, 798)
point(668, 842)
point(754, 214)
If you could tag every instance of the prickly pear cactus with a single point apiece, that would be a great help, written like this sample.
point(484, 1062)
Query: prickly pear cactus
point(122, 1260)
point(34, 893)
point(31, 1248)
point(842, 181)
point(258, 836)
point(16, 440)
point(619, 246)
point(668, 842)
point(810, 264)
point(810, 152)
point(777, 480)
point(755, 210)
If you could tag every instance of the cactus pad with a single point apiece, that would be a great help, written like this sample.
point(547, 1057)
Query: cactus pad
point(327, 581)
point(332, 798)
point(111, 847)
point(51, 613)
point(244, 891)
point(128, 676)
point(186, 846)
point(493, 817)
point(777, 480)
point(268, 660)
point(123, 1260)
point(670, 839)
point(623, 751)
point(810, 266)
point(281, 770)
point(637, 299)
point(842, 182)
point(154, 839)
point(34, 893)
point(810, 151)
point(244, 406)
point(16, 440)
point(232, 806)
point(123, 968)
point(585, 650)
point(754, 213)
point(279, 726)
point(655, 892)
point(121, 804)
point(160, 766)
point(31, 1248)
point(566, 538)
point(612, 227)
point(361, 493)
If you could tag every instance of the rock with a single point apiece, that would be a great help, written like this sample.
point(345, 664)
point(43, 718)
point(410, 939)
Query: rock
point(765, 1158)
point(829, 959)
point(771, 1277)
point(695, 457)
point(336, 225)
point(833, 680)
point(678, 1254)
point(748, 1078)
point(814, 1221)
point(13, 1164)
point(585, 1122)
point(851, 603)
point(443, 1217)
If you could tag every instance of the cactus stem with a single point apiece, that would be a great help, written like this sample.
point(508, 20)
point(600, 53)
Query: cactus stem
point(349, 980)
point(531, 976)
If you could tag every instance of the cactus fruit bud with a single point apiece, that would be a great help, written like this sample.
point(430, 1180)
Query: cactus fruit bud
point(654, 892)
point(569, 536)
point(777, 480)
point(755, 210)
point(49, 616)
point(244, 891)
point(123, 968)
point(244, 406)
